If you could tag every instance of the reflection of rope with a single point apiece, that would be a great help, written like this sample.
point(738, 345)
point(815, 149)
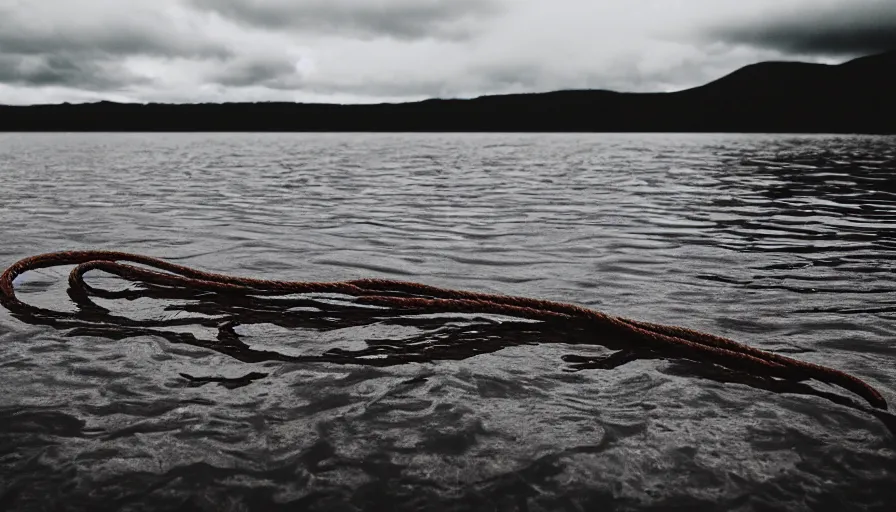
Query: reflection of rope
point(400, 297)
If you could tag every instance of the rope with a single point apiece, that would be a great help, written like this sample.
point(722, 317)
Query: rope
point(402, 297)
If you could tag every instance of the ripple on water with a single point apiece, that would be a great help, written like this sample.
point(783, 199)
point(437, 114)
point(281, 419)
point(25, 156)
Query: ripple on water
point(784, 242)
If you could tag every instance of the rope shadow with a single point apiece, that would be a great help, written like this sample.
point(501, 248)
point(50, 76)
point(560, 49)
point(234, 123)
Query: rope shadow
point(454, 337)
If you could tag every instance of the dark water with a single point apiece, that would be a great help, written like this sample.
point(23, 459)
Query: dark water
point(783, 242)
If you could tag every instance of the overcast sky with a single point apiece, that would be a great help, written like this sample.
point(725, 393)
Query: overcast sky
point(353, 51)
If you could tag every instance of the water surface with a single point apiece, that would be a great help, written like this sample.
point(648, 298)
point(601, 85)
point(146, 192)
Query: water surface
point(782, 242)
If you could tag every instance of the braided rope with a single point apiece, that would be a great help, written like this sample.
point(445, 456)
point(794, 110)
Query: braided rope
point(419, 298)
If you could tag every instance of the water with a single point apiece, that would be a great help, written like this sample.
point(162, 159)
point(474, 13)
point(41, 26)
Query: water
point(783, 242)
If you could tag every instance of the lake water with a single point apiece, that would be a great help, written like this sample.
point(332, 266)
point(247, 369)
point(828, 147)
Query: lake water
point(783, 242)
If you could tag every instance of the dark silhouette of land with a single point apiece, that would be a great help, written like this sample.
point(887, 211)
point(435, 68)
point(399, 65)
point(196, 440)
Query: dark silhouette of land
point(858, 96)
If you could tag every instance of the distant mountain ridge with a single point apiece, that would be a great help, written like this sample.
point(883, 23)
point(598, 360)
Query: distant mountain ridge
point(853, 97)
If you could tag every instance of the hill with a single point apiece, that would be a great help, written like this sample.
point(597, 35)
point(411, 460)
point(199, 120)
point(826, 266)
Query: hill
point(853, 97)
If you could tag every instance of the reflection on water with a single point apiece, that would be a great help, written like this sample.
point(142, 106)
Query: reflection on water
point(782, 242)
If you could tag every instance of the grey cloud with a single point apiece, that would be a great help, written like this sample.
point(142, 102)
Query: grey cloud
point(400, 19)
point(276, 74)
point(59, 70)
point(115, 41)
point(134, 36)
point(394, 50)
point(847, 28)
point(89, 54)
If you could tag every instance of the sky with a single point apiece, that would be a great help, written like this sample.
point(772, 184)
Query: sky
point(369, 51)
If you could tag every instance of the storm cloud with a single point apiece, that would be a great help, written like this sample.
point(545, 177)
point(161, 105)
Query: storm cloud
point(88, 46)
point(359, 51)
point(830, 28)
point(42, 70)
point(99, 27)
point(401, 19)
point(267, 74)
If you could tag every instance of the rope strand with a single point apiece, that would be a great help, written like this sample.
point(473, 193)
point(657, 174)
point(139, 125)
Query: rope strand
point(417, 298)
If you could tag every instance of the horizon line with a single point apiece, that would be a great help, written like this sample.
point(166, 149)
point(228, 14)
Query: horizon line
point(434, 99)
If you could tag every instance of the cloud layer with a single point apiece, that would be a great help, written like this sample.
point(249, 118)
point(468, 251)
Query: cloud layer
point(397, 50)
point(829, 28)
point(400, 19)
